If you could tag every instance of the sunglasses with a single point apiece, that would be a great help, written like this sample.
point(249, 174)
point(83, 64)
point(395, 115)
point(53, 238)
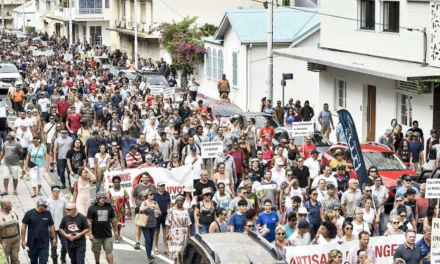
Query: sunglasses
point(208, 194)
point(55, 190)
point(402, 216)
point(373, 170)
point(150, 194)
point(245, 193)
point(407, 180)
point(367, 191)
point(349, 228)
point(250, 225)
point(281, 234)
point(259, 154)
point(395, 223)
point(302, 215)
point(290, 174)
point(399, 201)
point(314, 194)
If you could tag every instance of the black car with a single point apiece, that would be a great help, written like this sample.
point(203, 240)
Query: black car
point(216, 248)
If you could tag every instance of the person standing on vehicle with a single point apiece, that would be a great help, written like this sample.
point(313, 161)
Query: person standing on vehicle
point(223, 86)
point(193, 87)
point(416, 147)
point(307, 112)
point(279, 113)
point(267, 133)
point(325, 120)
point(73, 228)
point(37, 222)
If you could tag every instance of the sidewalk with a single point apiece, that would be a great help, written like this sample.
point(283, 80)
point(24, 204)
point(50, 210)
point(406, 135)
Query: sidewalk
point(23, 202)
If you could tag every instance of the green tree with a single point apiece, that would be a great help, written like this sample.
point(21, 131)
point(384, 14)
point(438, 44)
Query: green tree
point(183, 41)
point(208, 30)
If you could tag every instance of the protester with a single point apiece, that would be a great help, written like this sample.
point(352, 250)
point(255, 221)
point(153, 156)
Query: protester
point(409, 251)
point(163, 200)
point(268, 219)
point(220, 225)
point(301, 236)
point(204, 213)
point(121, 203)
point(347, 229)
point(336, 257)
point(364, 239)
point(178, 228)
point(150, 208)
point(281, 242)
point(9, 232)
point(11, 152)
point(425, 245)
point(57, 206)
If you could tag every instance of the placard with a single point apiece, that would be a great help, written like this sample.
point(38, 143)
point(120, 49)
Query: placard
point(435, 233)
point(14, 53)
point(302, 129)
point(49, 53)
point(211, 150)
point(432, 189)
point(68, 57)
point(3, 112)
point(156, 90)
point(168, 92)
point(36, 53)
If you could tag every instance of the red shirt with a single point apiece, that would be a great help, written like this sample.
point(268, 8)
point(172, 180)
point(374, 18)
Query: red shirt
point(93, 86)
point(74, 122)
point(266, 134)
point(307, 149)
point(62, 108)
point(129, 158)
point(238, 156)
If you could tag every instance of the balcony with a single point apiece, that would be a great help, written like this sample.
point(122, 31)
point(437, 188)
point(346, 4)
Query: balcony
point(82, 14)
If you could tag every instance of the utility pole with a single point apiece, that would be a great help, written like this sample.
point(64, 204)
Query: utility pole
point(135, 35)
point(269, 81)
point(24, 18)
point(70, 24)
point(3, 15)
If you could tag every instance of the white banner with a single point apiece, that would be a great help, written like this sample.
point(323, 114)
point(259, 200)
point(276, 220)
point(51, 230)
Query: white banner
point(302, 129)
point(433, 189)
point(49, 53)
point(168, 92)
point(435, 234)
point(68, 57)
point(211, 150)
point(384, 248)
point(15, 53)
point(156, 89)
point(175, 179)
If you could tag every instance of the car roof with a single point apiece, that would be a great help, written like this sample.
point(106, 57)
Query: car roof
point(367, 147)
point(254, 114)
point(239, 248)
point(290, 128)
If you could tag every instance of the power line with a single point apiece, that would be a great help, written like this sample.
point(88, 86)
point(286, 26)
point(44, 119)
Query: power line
point(335, 16)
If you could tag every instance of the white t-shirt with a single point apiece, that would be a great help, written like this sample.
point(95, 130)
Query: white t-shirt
point(44, 103)
point(359, 228)
point(56, 208)
point(196, 167)
point(164, 148)
point(322, 241)
point(331, 179)
point(24, 137)
point(278, 176)
point(19, 122)
point(51, 133)
point(369, 217)
point(102, 162)
point(313, 166)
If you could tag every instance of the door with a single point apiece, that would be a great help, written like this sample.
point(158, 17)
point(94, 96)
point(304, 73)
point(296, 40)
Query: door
point(371, 113)
point(436, 109)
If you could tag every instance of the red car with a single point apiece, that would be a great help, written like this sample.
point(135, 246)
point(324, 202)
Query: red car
point(390, 166)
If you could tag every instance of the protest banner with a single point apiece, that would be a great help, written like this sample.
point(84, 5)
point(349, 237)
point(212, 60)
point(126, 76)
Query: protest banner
point(15, 53)
point(211, 150)
point(156, 89)
point(302, 129)
point(384, 249)
point(175, 179)
point(36, 53)
point(49, 53)
point(68, 57)
point(432, 189)
point(168, 92)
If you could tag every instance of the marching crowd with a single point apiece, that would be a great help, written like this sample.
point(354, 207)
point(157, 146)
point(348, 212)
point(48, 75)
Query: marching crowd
point(80, 120)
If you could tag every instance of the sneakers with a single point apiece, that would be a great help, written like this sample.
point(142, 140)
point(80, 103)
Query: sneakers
point(63, 186)
point(63, 260)
point(137, 245)
point(151, 260)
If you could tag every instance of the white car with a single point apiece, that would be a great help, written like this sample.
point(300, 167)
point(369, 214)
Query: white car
point(8, 74)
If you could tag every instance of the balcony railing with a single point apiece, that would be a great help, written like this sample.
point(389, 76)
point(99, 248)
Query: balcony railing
point(88, 11)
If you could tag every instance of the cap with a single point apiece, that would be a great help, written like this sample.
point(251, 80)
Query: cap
point(12, 134)
point(180, 197)
point(314, 152)
point(133, 146)
point(303, 224)
point(407, 177)
point(340, 167)
point(160, 183)
point(55, 187)
point(206, 190)
point(279, 162)
point(303, 210)
point(193, 148)
point(43, 202)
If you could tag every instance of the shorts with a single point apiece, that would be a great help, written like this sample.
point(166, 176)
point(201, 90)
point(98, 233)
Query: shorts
point(326, 129)
point(105, 243)
point(24, 154)
point(91, 163)
point(10, 171)
point(160, 221)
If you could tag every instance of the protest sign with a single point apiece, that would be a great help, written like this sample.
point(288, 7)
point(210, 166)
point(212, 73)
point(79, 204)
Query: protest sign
point(68, 57)
point(302, 129)
point(36, 53)
point(432, 189)
point(15, 53)
point(383, 247)
point(49, 53)
point(211, 150)
point(156, 90)
point(168, 92)
point(175, 179)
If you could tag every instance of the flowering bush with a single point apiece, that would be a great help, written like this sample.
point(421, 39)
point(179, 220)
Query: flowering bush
point(183, 41)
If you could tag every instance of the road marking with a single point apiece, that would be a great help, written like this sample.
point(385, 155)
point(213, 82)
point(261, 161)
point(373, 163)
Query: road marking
point(129, 241)
point(123, 247)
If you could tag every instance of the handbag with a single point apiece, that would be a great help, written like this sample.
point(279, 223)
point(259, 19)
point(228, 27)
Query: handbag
point(141, 220)
point(32, 164)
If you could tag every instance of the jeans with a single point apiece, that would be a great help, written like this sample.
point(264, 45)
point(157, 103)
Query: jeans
point(39, 255)
point(61, 169)
point(77, 255)
point(149, 237)
point(53, 250)
point(98, 185)
point(193, 95)
point(203, 229)
point(3, 137)
point(73, 135)
point(381, 224)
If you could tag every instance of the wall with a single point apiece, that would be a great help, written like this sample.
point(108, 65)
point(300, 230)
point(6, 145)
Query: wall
point(344, 35)
point(386, 101)
point(106, 34)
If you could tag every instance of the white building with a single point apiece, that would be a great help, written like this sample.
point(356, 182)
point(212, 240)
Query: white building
point(9, 6)
point(30, 15)
point(239, 49)
point(369, 53)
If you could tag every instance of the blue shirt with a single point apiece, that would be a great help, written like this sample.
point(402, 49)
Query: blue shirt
point(37, 155)
point(269, 220)
point(237, 222)
point(127, 144)
point(116, 100)
point(402, 190)
point(415, 147)
point(98, 108)
point(340, 131)
point(426, 251)
point(93, 146)
point(314, 213)
point(163, 201)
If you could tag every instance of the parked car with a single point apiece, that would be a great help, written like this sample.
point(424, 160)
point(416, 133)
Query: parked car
point(260, 118)
point(103, 61)
point(322, 143)
point(216, 248)
point(225, 110)
point(8, 74)
point(390, 166)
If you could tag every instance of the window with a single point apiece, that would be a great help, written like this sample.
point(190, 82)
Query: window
point(340, 93)
point(404, 109)
point(286, 2)
point(48, 6)
point(214, 64)
point(95, 35)
point(220, 64)
point(234, 69)
point(367, 14)
point(123, 9)
point(143, 12)
point(208, 62)
point(391, 16)
point(107, 3)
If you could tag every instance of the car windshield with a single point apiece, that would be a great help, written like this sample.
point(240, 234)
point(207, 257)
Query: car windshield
point(225, 110)
point(8, 69)
point(384, 161)
point(260, 121)
point(156, 79)
point(131, 75)
point(105, 61)
point(318, 139)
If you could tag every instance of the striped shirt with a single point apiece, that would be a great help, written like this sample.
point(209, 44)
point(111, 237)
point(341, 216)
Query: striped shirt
point(129, 158)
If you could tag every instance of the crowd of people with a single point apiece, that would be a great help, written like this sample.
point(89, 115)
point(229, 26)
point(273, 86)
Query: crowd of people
point(80, 120)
